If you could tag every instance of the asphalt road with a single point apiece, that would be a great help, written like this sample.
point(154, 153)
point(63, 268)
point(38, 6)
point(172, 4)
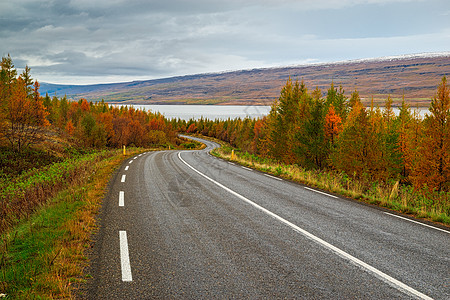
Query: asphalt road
point(186, 225)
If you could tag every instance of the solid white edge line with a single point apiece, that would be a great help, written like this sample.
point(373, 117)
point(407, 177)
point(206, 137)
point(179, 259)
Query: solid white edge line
point(386, 278)
point(121, 198)
point(125, 257)
point(310, 189)
point(126, 168)
point(423, 224)
point(123, 178)
point(270, 176)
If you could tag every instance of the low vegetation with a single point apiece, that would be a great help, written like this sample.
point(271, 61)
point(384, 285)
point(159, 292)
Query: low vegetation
point(20, 196)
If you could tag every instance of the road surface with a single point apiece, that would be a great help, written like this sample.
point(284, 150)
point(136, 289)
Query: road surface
point(186, 225)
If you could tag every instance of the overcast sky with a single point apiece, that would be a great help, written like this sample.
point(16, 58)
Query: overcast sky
point(98, 41)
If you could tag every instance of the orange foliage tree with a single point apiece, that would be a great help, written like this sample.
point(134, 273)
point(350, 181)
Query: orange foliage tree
point(192, 128)
point(354, 143)
point(333, 125)
point(25, 117)
point(433, 163)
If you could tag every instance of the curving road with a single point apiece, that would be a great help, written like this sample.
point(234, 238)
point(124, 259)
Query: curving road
point(186, 225)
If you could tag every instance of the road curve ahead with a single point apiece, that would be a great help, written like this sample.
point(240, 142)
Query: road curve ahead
point(186, 225)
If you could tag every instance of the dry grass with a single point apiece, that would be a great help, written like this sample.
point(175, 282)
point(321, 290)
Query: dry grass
point(422, 204)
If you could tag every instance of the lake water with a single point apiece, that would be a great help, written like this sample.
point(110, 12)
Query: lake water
point(223, 112)
point(212, 112)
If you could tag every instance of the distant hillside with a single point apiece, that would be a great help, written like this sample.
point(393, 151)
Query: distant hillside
point(417, 76)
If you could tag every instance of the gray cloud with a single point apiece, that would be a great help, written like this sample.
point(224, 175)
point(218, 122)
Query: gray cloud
point(87, 41)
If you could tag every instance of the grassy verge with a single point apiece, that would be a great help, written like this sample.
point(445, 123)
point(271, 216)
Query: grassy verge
point(41, 256)
point(20, 196)
point(420, 204)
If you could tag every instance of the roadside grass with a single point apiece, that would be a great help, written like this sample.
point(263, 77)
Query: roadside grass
point(42, 255)
point(13, 164)
point(404, 199)
point(191, 145)
point(21, 195)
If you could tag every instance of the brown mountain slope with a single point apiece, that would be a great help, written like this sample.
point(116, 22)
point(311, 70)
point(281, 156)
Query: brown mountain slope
point(417, 76)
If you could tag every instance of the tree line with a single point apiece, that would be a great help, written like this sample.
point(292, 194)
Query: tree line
point(337, 133)
point(25, 116)
point(333, 132)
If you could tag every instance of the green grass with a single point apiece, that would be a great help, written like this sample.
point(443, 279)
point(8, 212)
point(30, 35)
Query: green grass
point(20, 196)
point(29, 253)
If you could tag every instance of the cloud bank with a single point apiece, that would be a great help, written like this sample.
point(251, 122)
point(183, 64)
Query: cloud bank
point(87, 41)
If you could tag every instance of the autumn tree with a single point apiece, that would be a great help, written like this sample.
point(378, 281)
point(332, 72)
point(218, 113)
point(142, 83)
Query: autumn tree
point(74, 113)
point(312, 149)
point(7, 77)
point(433, 169)
point(84, 105)
point(136, 133)
point(354, 98)
point(192, 128)
point(333, 125)
point(70, 129)
point(90, 132)
point(51, 108)
point(355, 144)
point(121, 131)
point(62, 111)
point(25, 116)
point(283, 121)
point(27, 80)
point(337, 98)
point(106, 119)
point(391, 156)
point(404, 121)
point(260, 137)
point(22, 113)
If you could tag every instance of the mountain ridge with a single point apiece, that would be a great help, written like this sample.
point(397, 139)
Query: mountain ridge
point(414, 75)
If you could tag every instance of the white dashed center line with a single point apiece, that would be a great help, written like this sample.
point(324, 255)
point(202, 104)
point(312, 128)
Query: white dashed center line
point(121, 198)
point(125, 257)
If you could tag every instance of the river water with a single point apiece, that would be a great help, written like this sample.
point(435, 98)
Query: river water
point(212, 112)
point(223, 112)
